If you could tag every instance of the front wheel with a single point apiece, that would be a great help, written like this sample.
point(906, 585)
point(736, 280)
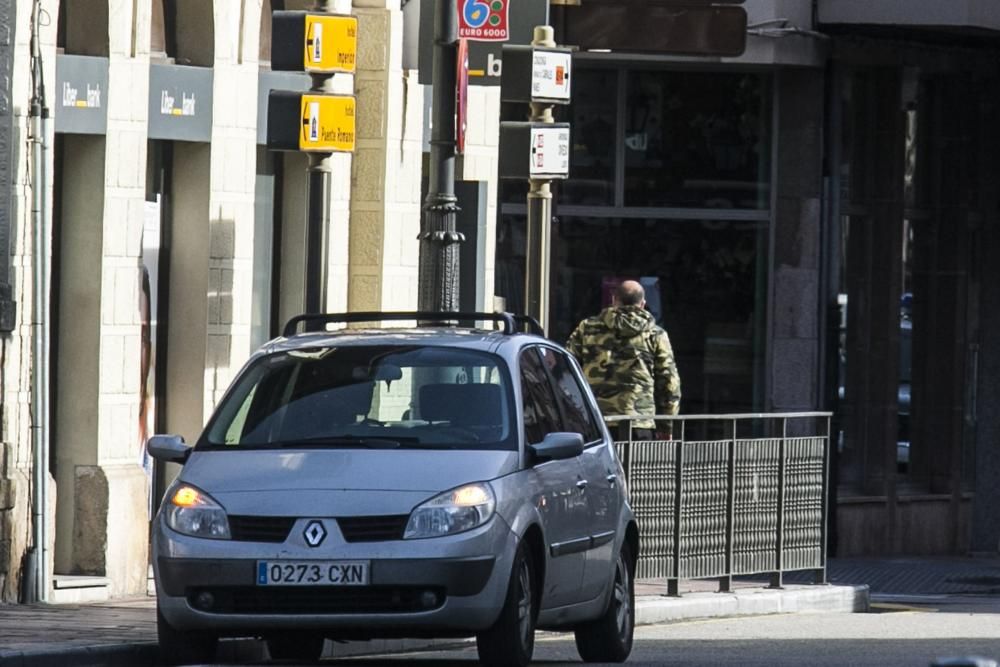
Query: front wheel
point(609, 638)
point(182, 647)
point(511, 640)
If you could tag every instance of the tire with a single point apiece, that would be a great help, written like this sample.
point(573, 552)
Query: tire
point(511, 640)
point(183, 647)
point(297, 647)
point(609, 638)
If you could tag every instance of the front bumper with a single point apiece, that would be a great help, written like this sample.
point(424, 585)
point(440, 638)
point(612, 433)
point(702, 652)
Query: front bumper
point(441, 586)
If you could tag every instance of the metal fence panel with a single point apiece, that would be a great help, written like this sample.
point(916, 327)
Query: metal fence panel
point(804, 504)
point(704, 510)
point(755, 540)
point(650, 470)
point(721, 508)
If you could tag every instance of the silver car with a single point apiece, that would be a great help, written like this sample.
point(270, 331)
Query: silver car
point(426, 482)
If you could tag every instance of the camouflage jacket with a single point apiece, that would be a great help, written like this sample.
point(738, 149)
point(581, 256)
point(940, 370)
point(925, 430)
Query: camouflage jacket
point(628, 362)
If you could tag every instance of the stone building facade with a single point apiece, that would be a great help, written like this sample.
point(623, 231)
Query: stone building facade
point(781, 205)
point(166, 209)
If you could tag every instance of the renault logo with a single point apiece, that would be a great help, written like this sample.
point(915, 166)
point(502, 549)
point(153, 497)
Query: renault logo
point(314, 533)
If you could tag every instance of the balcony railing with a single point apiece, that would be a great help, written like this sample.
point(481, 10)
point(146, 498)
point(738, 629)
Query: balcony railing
point(729, 495)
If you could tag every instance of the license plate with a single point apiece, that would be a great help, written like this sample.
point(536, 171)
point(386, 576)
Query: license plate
point(312, 572)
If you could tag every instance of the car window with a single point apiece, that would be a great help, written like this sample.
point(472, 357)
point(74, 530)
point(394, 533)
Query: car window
point(541, 416)
point(576, 414)
point(400, 395)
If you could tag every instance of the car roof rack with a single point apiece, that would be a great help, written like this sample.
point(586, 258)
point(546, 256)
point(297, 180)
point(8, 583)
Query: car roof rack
point(531, 325)
point(509, 321)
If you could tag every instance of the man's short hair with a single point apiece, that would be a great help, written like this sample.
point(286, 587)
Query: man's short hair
point(630, 293)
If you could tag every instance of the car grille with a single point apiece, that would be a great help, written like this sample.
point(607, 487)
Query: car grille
point(354, 529)
point(260, 528)
point(322, 600)
point(373, 528)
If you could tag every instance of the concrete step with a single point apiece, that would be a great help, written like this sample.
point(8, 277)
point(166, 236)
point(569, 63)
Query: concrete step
point(77, 589)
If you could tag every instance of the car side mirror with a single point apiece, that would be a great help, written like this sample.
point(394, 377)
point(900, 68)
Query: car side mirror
point(168, 448)
point(558, 446)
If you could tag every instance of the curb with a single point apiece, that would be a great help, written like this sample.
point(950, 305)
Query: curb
point(650, 609)
point(753, 602)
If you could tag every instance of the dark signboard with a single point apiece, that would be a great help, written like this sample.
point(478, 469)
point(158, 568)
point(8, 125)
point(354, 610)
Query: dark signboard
point(676, 28)
point(490, 23)
point(81, 96)
point(180, 102)
point(268, 81)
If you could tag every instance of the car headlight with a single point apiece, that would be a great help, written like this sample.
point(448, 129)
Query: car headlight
point(195, 513)
point(452, 512)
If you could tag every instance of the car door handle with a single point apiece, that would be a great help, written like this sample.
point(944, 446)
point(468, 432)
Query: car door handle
point(581, 484)
point(612, 479)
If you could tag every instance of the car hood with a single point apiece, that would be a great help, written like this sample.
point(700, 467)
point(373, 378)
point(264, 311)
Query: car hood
point(270, 482)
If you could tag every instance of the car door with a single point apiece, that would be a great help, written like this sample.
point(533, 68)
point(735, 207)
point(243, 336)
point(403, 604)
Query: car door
point(599, 465)
point(561, 500)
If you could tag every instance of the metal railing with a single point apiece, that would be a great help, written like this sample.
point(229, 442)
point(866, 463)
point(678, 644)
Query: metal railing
point(729, 495)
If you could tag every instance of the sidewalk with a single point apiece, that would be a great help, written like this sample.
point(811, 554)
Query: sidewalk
point(123, 632)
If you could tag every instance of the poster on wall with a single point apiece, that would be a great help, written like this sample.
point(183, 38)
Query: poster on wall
point(149, 273)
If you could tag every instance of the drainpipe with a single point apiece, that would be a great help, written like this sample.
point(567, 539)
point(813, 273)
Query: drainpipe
point(39, 117)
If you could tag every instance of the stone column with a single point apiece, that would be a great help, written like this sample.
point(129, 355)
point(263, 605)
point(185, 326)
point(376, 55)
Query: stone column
point(794, 356)
point(385, 184)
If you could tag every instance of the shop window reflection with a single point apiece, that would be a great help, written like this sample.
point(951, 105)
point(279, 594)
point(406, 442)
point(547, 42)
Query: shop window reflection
point(706, 285)
point(697, 140)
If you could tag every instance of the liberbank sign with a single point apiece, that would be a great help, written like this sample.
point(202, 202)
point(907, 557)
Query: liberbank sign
point(488, 25)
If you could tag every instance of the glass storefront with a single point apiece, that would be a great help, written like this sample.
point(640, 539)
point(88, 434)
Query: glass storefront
point(670, 185)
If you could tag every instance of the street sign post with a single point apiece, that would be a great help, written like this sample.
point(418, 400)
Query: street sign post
point(539, 150)
point(317, 122)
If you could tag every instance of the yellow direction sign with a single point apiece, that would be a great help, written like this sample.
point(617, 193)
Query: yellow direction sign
point(331, 43)
point(312, 122)
point(327, 123)
point(317, 43)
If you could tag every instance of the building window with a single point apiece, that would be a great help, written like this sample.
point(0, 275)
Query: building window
point(183, 32)
point(82, 27)
point(696, 140)
point(670, 184)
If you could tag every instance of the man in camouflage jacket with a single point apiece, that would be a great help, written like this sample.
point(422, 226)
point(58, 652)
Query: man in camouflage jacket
point(628, 361)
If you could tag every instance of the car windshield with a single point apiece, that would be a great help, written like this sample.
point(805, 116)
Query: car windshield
point(378, 396)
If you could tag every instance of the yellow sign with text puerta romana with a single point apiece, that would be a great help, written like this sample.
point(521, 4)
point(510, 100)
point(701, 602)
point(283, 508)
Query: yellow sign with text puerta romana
point(327, 123)
point(331, 43)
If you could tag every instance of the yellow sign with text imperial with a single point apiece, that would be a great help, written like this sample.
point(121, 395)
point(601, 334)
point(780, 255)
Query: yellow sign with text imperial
point(327, 123)
point(331, 43)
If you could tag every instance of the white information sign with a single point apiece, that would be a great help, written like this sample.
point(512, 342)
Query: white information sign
point(550, 75)
point(549, 151)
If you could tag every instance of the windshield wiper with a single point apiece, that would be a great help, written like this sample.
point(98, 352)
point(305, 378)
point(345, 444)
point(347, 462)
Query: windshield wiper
point(369, 441)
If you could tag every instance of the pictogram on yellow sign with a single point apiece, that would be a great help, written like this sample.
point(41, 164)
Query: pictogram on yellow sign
point(327, 123)
point(331, 43)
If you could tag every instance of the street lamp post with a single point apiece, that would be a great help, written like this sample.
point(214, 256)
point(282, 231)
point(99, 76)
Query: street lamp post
point(438, 275)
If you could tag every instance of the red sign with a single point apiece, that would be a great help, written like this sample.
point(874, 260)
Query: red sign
point(461, 94)
point(483, 20)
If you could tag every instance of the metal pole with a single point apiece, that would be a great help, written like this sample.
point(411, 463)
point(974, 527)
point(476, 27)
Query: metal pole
point(437, 287)
point(39, 328)
point(539, 227)
point(317, 232)
point(318, 204)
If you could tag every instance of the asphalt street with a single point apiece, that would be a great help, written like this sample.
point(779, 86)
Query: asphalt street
point(903, 631)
